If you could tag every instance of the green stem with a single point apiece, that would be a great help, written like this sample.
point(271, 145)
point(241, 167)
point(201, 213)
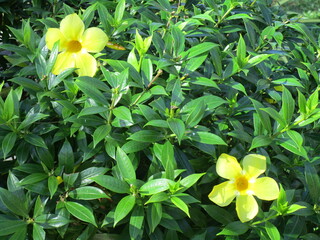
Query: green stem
point(266, 219)
point(224, 16)
point(147, 88)
point(111, 109)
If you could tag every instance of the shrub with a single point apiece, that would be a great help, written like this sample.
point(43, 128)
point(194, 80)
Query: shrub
point(131, 153)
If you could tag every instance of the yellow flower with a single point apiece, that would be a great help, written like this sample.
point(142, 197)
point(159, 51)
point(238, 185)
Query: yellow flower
point(243, 184)
point(75, 45)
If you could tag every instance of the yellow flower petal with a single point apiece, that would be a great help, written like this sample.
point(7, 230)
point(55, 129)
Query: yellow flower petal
point(254, 165)
point(228, 166)
point(64, 61)
point(72, 27)
point(223, 194)
point(86, 64)
point(52, 36)
point(247, 207)
point(266, 188)
point(94, 39)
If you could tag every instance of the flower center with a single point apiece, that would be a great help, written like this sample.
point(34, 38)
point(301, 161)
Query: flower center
point(242, 183)
point(74, 46)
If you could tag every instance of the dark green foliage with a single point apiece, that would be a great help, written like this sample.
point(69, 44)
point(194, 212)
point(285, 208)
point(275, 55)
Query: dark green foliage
point(131, 152)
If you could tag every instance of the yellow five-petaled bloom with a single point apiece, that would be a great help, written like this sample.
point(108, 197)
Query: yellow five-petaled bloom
point(75, 43)
point(243, 184)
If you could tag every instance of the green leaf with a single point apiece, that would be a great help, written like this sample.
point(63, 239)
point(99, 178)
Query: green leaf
point(196, 114)
point(38, 207)
point(123, 208)
point(146, 136)
point(48, 221)
point(31, 118)
point(260, 141)
point(288, 104)
point(195, 62)
point(52, 60)
point(177, 127)
point(11, 226)
point(33, 178)
point(38, 233)
point(125, 165)
point(303, 29)
point(207, 138)
point(81, 212)
point(276, 116)
point(158, 197)
point(66, 157)
point(154, 215)
point(118, 14)
point(123, 113)
point(35, 140)
point(156, 186)
point(263, 116)
point(288, 82)
point(219, 214)
point(234, 229)
point(293, 228)
point(19, 234)
point(111, 183)
point(188, 181)
point(180, 204)
point(136, 222)
point(198, 50)
point(94, 93)
point(257, 59)
point(241, 52)
point(52, 185)
point(167, 160)
point(92, 110)
point(8, 143)
point(27, 83)
point(100, 133)
point(14, 203)
point(272, 231)
point(87, 193)
point(313, 182)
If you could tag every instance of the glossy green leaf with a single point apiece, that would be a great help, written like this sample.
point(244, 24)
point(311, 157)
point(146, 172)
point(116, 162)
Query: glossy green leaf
point(11, 226)
point(167, 160)
point(207, 138)
point(146, 136)
point(190, 180)
point(313, 182)
point(136, 222)
point(154, 215)
point(52, 185)
point(125, 165)
point(111, 183)
point(123, 113)
point(155, 186)
point(272, 231)
point(66, 157)
point(180, 204)
point(260, 141)
point(288, 105)
point(35, 140)
point(8, 143)
point(81, 212)
point(123, 208)
point(177, 127)
point(234, 229)
point(38, 233)
point(33, 178)
point(87, 193)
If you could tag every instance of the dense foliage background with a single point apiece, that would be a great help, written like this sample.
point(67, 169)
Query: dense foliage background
point(131, 153)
